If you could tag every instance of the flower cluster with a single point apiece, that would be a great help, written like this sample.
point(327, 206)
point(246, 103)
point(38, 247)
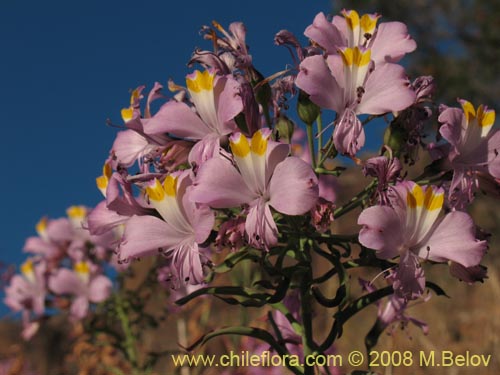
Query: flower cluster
point(216, 172)
point(65, 261)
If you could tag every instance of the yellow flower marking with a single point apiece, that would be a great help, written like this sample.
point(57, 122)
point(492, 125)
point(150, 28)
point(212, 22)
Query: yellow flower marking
point(352, 18)
point(354, 56)
point(102, 181)
point(240, 146)
point(433, 201)
point(170, 186)
point(41, 226)
point(27, 268)
point(415, 197)
point(259, 143)
point(155, 192)
point(428, 199)
point(484, 117)
point(200, 82)
point(128, 113)
point(82, 268)
point(368, 23)
point(76, 212)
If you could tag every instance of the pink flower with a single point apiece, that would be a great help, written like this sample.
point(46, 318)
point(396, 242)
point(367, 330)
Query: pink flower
point(413, 229)
point(84, 285)
point(177, 233)
point(262, 177)
point(26, 293)
point(217, 102)
point(389, 41)
point(474, 147)
point(351, 84)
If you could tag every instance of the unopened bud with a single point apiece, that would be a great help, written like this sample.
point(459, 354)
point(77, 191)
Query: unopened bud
point(395, 138)
point(307, 110)
point(284, 129)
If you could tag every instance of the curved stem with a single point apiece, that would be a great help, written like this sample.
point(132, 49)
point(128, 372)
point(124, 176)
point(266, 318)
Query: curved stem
point(319, 123)
point(356, 201)
point(310, 142)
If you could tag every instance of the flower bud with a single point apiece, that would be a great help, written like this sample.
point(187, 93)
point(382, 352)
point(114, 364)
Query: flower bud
point(307, 110)
point(284, 129)
point(395, 138)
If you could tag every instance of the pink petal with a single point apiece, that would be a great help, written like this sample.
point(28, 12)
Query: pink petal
point(205, 149)
point(493, 154)
point(37, 245)
point(102, 220)
point(200, 216)
point(65, 281)
point(60, 230)
point(228, 103)
point(187, 264)
point(387, 89)
point(179, 119)
point(453, 239)
point(348, 135)
point(316, 80)
point(293, 188)
point(260, 226)
point(451, 130)
point(99, 288)
point(391, 42)
point(325, 34)
point(276, 153)
point(219, 185)
point(79, 307)
point(144, 235)
point(381, 231)
point(129, 146)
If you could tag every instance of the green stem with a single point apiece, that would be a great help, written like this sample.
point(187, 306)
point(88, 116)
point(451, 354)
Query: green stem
point(354, 202)
point(310, 141)
point(329, 148)
point(306, 302)
point(319, 123)
point(129, 343)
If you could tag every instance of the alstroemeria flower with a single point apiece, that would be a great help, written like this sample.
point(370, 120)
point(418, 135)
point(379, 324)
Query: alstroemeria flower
point(389, 41)
point(26, 293)
point(182, 227)
point(351, 84)
point(52, 240)
point(262, 177)
point(413, 228)
point(474, 146)
point(135, 144)
point(84, 285)
point(217, 102)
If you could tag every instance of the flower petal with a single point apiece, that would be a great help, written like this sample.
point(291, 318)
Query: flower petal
point(177, 118)
point(99, 288)
point(228, 103)
point(453, 239)
point(144, 235)
point(219, 185)
point(325, 34)
point(316, 80)
point(387, 89)
point(65, 281)
point(381, 231)
point(260, 226)
point(391, 42)
point(293, 188)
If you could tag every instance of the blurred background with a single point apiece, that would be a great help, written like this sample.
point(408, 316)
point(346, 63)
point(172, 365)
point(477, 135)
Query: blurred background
point(67, 67)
